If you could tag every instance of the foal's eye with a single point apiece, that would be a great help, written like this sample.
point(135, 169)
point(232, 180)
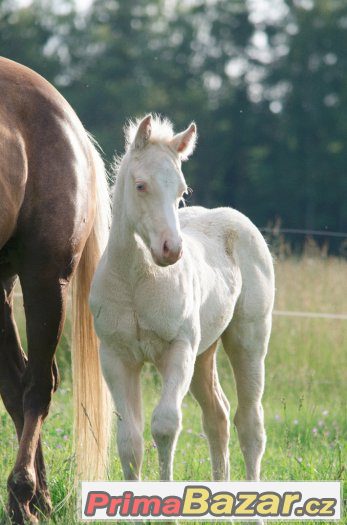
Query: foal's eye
point(140, 186)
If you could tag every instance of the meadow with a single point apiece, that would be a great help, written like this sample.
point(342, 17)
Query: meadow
point(304, 400)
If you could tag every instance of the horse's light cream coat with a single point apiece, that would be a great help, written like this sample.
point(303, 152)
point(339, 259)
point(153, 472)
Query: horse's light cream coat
point(213, 277)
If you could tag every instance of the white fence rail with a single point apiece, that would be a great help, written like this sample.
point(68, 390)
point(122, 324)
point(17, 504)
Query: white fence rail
point(290, 313)
point(321, 233)
point(312, 315)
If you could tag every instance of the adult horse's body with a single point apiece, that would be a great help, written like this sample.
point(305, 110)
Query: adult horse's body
point(53, 219)
point(169, 285)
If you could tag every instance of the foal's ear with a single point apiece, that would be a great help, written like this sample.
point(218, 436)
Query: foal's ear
point(143, 133)
point(184, 142)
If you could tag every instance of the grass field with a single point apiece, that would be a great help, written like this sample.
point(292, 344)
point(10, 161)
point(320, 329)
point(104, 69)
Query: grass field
point(304, 401)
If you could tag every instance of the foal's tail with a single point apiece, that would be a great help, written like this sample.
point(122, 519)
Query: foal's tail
point(92, 404)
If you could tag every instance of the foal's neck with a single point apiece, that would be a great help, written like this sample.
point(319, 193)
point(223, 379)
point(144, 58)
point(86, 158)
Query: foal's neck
point(123, 249)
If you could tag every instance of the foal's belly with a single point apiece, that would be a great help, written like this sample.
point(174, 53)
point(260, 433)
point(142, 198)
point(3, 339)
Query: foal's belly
point(213, 324)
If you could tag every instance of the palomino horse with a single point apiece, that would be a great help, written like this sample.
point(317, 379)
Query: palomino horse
point(170, 283)
point(54, 220)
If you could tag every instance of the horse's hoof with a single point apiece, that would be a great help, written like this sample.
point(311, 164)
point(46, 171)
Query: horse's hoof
point(21, 487)
point(20, 514)
point(41, 504)
point(22, 484)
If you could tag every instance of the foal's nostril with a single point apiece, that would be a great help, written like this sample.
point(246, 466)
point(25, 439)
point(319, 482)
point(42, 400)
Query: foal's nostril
point(165, 248)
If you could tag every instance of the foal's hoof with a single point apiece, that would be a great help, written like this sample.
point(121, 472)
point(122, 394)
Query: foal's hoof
point(254, 522)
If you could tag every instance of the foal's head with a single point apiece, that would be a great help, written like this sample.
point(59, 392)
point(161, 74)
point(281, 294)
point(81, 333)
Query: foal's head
point(154, 184)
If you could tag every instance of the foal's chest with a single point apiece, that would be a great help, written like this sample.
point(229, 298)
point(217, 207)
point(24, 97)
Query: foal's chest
point(140, 337)
point(141, 320)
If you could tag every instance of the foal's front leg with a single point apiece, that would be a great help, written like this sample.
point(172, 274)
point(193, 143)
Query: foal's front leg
point(176, 367)
point(123, 380)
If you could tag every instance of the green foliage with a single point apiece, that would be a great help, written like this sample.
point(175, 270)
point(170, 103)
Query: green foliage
point(267, 90)
point(311, 130)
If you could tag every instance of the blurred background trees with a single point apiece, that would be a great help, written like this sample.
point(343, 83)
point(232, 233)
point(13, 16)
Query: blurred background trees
point(266, 82)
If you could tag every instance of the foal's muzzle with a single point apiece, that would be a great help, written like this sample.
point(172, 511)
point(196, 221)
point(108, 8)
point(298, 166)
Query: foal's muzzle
point(169, 254)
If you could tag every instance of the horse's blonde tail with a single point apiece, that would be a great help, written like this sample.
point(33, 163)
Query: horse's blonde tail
point(92, 404)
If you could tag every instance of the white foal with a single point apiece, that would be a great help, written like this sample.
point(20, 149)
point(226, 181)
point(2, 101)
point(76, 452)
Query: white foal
point(170, 284)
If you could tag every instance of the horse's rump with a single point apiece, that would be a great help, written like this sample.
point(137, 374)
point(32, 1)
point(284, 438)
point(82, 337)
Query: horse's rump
point(54, 216)
point(45, 162)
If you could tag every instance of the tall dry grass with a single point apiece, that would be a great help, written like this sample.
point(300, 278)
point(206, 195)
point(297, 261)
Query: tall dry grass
point(304, 401)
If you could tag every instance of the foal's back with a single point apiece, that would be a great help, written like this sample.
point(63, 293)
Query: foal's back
point(227, 229)
point(240, 268)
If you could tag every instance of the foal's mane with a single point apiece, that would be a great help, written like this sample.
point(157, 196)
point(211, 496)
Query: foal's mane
point(161, 133)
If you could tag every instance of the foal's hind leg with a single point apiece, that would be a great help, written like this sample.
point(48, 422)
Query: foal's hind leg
point(13, 364)
point(215, 408)
point(246, 343)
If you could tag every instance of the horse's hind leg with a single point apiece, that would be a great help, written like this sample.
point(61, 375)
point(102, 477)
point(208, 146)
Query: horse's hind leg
point(12, 357)
point(215, 408)
point(44, 301)
point(245, 343)
point(13, 365)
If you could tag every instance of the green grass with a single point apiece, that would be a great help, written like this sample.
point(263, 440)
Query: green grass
point(304, 401)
